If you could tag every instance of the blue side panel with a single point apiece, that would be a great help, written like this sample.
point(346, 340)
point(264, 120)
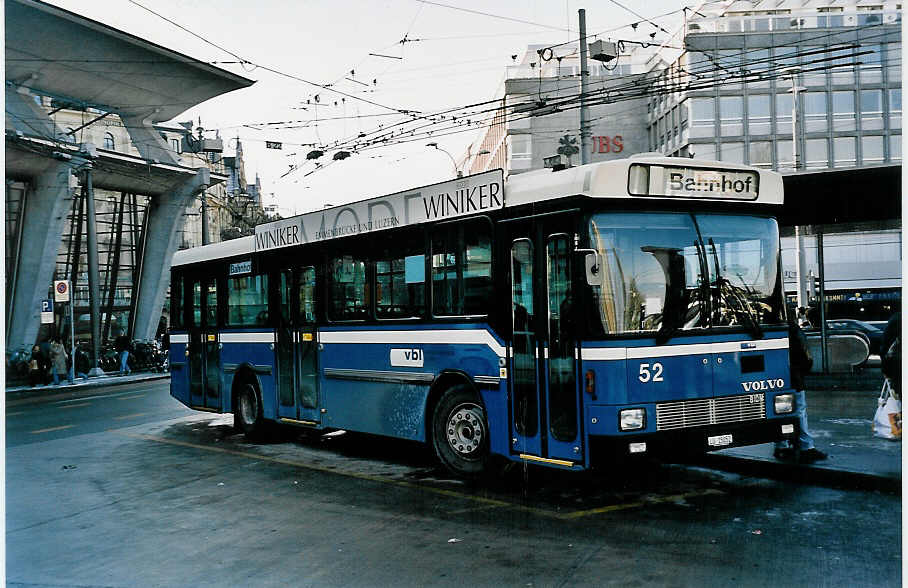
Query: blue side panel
point(365, 397)
point(394, 410)
point(179, 372)
point(259, 356)
point(496, 403)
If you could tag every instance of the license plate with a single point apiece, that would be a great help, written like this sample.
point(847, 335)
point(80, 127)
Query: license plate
point(719, 440)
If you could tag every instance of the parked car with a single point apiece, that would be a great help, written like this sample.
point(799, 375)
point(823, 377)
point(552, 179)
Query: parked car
point(873, 334)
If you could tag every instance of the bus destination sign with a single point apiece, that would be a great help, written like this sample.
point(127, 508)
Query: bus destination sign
point(699, 183)
point(469, 195)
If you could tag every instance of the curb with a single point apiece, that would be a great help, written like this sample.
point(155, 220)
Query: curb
point(819, 475)
point(24, 395)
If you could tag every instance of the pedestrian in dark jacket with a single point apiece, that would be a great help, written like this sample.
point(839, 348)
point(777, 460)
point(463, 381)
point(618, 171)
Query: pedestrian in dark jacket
point(35, 373)
point(800, 361)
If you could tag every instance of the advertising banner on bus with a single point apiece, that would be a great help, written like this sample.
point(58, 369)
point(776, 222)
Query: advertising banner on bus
point(460, 197)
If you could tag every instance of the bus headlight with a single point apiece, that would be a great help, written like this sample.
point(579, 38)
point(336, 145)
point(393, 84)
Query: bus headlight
point(632, 419)
point(784, 403)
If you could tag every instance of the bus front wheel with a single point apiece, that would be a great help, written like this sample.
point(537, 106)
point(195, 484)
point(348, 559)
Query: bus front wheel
point(248, 413)
point(460, 433)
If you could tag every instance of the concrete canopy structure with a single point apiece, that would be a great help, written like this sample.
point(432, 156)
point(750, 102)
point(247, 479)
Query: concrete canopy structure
point(51, 52)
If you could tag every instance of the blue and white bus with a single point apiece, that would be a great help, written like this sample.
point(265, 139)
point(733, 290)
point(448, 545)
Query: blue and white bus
point(567, 318)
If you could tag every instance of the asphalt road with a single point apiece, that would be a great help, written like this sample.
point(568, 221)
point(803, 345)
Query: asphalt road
point(139, 491)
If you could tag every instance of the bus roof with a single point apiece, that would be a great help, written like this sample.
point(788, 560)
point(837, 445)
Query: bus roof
point(651, 178)
point(638, 177)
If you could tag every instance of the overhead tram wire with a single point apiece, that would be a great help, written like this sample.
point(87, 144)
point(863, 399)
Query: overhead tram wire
point(421, 134)
point(270, 69)
point(615, 89)
point(498, 16)
point(700, 72)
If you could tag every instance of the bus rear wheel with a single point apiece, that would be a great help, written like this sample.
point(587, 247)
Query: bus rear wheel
point(460, 433)
point(247, 415)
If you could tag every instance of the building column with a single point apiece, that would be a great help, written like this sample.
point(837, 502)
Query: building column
point(162, 239)
point(46, 206)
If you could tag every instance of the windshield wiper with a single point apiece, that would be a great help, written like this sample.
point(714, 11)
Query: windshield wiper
point(733, 299)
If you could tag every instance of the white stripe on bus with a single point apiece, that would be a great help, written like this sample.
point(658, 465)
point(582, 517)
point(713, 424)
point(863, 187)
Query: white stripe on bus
point(184, 338)
point(448, 336)
point(619, 353)
point(247, 337)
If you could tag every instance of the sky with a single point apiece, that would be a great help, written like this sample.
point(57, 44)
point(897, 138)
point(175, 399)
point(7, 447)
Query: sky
point(456, 53)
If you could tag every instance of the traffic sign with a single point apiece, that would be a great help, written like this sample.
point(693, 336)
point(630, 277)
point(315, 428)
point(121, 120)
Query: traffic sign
point(61, 290)
point(47, 305)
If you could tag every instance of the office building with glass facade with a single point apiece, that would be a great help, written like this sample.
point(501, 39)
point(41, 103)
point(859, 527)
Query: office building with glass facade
point(741, 64)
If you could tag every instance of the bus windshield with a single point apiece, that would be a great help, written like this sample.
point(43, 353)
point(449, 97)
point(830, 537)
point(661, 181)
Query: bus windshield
point(661, 273)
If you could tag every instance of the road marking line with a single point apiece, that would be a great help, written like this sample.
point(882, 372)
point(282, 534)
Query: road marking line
point(483, 501)
point(76, 405)
point(639, 503)
point(60, 428)
point(131, 397)
point(129, 416)
point(9, 414)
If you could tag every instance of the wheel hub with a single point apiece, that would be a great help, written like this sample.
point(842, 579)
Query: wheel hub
point(465, 429)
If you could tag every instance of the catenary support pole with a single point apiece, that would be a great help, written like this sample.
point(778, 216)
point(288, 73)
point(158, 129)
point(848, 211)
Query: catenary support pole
point(584, 81)
point(93, 277)
point(821, 301)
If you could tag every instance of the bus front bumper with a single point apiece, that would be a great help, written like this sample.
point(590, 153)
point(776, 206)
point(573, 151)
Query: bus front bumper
point(691, 441)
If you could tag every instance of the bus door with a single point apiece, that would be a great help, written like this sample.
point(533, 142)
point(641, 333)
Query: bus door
point(298, 348)
point(544, 396)
point(204, 345)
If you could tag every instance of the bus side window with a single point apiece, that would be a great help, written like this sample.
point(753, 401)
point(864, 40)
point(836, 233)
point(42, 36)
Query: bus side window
point(247, 301)
point(462, 268)
point(400, 281)
point(196, 303)
point(211, 303)
point(349, 296)
point(176, 302)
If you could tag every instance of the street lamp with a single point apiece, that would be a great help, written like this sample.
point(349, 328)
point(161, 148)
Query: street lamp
point(457, 172)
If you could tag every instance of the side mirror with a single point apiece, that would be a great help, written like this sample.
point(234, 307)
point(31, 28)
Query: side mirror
point(591, 265)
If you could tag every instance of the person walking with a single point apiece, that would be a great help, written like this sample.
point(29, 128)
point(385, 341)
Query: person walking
point(800, 361)
point(122, 345)
point(57, 360)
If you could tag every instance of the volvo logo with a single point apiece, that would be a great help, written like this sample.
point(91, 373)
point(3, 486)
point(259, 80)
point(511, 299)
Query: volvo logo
point(758, 385)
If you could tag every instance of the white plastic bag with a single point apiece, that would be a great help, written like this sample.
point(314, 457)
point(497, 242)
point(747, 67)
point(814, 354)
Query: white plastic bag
point(887, 422)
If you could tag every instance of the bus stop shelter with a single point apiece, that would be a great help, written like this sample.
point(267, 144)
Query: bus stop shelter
point(863, 198)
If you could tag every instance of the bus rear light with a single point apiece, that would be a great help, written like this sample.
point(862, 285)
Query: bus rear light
point(589, 385)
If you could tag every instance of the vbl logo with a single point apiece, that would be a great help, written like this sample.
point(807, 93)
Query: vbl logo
point(413, 354)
